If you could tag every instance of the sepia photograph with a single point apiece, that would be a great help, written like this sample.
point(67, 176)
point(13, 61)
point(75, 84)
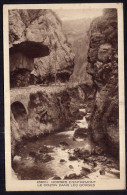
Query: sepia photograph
point(64, 97)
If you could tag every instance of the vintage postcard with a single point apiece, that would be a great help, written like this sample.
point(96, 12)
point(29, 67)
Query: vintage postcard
point(64, 97)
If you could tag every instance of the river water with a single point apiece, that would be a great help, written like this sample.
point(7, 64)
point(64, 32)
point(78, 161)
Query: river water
point(56, 156)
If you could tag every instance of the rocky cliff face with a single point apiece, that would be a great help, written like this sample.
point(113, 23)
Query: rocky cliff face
point(37, 43)
point(103, 66)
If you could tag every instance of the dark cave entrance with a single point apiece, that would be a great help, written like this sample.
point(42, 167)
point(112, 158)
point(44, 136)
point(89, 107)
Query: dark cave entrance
point(63, 76)
point(18, 111)
point(20, 115)
point(22, 61)
point(60, 78)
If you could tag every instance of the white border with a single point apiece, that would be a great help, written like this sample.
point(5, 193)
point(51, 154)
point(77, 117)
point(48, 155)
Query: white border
point(30, 185)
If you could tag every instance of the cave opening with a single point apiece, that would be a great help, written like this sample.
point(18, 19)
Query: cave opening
point(20, 115)
point(19, 111)
point(63, 76)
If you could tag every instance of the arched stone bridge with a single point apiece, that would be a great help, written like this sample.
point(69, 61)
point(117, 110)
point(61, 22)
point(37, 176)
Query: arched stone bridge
point(22, 94)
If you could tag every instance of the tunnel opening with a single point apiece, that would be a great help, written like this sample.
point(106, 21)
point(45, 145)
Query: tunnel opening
point(20, 114)
point(63, 76)
point(20, 78)
point(22, 61)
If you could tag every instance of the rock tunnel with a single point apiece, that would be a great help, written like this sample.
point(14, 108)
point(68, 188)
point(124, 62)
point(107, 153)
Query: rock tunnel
point(63, 76)
point(22, 61)
point(20, 114)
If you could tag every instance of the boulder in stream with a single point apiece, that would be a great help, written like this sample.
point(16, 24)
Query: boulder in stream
point(81, 133)
point(72, 157)
point(82, 153)
point(102, 172)
point(62, 160)
point(71, 167)
point(63, 143)
point(85, 171)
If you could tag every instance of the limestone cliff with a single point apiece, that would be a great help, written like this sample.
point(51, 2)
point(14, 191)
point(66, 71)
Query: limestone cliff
point(38, 44)
point(103, 66)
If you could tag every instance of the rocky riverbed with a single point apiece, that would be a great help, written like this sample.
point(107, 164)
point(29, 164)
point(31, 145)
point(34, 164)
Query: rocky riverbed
point(69, 154)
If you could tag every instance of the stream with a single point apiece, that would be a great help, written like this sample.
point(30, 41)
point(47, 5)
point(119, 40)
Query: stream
point(64, 155)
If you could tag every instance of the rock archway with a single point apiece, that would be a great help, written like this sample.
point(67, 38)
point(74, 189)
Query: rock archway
point(20, 114)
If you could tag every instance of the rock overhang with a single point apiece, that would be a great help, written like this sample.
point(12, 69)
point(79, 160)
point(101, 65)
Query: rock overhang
point(31, 49)
point(32, 35)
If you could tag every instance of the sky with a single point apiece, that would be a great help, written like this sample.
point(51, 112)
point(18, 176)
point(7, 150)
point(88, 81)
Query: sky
point(78, 13)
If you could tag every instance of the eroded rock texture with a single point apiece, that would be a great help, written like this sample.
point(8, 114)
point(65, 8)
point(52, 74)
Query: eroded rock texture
point(103, 66)
point(38, 44)
point(47, 112)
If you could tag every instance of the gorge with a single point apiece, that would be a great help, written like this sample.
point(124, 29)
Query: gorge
point(64, 96)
